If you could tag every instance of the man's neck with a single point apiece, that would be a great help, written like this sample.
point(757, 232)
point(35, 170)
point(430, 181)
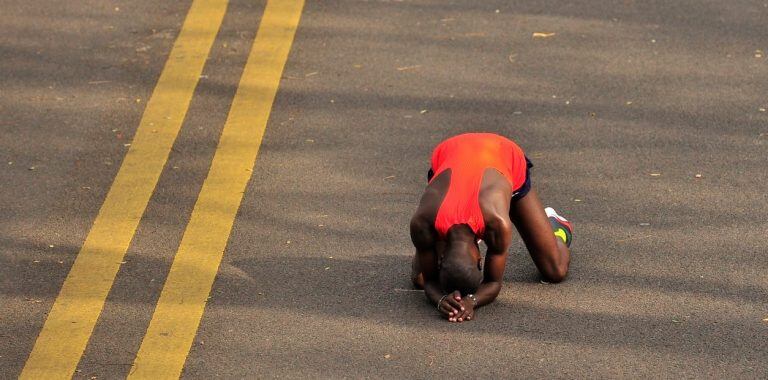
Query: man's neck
point(460, 233)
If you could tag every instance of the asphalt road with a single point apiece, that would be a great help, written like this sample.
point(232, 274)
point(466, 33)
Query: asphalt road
point(646, 122)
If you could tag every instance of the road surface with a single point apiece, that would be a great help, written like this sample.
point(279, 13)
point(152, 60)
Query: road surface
point(128, 136)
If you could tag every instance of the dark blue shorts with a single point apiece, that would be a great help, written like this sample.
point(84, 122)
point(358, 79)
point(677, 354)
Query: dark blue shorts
point(517, 194)
point(526, 187)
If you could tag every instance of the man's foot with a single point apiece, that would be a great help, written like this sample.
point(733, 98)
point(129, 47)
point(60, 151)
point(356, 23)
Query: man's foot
point(560, 225)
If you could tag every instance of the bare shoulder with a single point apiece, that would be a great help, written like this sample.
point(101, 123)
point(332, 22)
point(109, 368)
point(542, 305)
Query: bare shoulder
point(433, 196)
point(498, 232)
point(495, 194)
point(423, 220)
point(494, 198)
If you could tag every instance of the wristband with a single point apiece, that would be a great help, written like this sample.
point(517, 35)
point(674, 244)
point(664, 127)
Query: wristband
point(441, 301)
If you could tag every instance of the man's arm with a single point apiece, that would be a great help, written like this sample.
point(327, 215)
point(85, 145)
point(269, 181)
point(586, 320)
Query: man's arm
point(498, 239)
point(493, 274)
point(423, 237)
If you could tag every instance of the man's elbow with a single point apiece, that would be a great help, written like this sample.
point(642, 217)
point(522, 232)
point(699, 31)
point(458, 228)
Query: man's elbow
point(494, 288)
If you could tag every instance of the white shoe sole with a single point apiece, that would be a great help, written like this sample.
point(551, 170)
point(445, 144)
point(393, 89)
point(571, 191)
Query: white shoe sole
point(552, 213)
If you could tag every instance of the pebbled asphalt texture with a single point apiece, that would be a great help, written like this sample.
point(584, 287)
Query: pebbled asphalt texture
point(645, 120)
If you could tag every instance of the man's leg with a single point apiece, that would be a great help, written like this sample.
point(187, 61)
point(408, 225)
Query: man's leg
point(548, 252)
point(417, 277)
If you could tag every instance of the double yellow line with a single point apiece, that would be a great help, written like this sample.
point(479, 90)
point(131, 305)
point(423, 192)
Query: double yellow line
point(166, 344)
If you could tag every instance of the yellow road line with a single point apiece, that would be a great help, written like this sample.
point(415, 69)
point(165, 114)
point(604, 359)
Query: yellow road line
point(74, 313)
point(177, 317)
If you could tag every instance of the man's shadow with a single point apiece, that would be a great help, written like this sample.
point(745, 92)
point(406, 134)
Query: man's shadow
point(378, 288)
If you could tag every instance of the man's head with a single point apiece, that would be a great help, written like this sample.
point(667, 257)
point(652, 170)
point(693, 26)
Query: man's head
point(460, 269)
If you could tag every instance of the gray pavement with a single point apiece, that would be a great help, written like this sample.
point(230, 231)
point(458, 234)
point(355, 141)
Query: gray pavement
point(646, 123)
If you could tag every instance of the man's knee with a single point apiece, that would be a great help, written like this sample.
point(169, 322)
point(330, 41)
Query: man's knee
point(554, 272)
point(556, 275)
point(418, 281)
point(417, 277)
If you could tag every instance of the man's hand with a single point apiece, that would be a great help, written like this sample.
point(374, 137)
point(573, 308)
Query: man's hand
point(452, 306)
point(469, 310)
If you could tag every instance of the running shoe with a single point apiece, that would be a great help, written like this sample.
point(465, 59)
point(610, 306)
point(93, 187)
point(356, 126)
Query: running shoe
point(560, 226)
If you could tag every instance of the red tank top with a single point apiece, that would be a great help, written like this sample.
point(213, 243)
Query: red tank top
point(468, 156)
